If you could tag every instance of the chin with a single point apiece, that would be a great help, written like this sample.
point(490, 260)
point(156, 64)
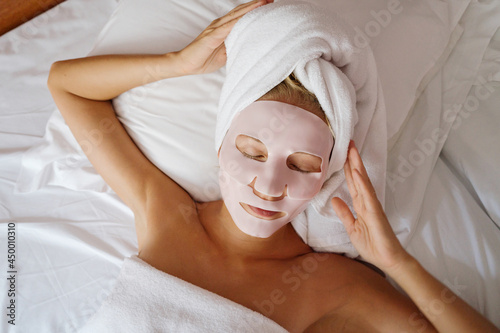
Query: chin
point(259, 228)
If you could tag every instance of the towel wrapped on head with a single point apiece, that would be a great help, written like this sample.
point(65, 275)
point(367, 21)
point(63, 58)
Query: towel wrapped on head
point(318, 46)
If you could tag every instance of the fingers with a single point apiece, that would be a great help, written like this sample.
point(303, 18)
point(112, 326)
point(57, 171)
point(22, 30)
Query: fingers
point(220, 28)
point(215, 36)
point(350, 181)
point(359, 178)
point(355, 158)
point(344, 214)
point(238, 12)
point(356, 163)
point(367, 191)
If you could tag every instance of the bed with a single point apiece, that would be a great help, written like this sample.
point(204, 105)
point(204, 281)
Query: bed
point(70, 233)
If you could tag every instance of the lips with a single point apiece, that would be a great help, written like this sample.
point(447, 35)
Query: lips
point(262, 213)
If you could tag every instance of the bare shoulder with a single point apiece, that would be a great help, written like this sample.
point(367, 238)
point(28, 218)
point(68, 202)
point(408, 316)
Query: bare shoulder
point(359, 299)
point(324, 283)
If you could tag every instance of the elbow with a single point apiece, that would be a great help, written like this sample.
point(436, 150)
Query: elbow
point(54, 80)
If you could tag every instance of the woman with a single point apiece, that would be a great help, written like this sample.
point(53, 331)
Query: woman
point(213, 250)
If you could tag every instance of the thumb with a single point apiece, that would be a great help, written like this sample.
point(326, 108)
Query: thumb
point(344, 213)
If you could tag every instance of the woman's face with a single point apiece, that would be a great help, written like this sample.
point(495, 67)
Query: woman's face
point(273, 161)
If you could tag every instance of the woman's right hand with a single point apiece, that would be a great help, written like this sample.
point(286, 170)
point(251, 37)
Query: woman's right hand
point(207, 53)
point(370, 233)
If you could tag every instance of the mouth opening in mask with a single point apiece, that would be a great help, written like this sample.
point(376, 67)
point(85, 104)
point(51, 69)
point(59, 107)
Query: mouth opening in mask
point(262, 213)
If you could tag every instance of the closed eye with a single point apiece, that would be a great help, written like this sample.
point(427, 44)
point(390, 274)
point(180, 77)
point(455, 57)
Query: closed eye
point(260, 158)
point(251, 148)
point(296, 168)
point(304, 162)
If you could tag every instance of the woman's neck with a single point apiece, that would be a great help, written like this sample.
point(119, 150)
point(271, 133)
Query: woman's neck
point(220, 227)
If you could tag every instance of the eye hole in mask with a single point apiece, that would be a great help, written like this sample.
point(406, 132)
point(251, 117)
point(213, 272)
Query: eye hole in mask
point(304, 162)
point(251, 148)
point(256, 150)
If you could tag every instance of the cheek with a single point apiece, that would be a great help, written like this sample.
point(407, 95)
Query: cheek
point(238, 166)
point(305, 186)
point(244, 170)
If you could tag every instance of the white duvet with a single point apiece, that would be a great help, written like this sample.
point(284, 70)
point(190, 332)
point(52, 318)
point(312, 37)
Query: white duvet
point(70, 242)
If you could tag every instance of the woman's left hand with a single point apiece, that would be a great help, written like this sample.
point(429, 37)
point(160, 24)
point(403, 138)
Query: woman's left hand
point(207, 53)
point(370, 233)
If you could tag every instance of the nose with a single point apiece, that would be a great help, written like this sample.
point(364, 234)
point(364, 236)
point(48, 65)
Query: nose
point(265, 196)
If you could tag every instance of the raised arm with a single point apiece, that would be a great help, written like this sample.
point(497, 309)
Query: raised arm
point(375, 240)
point(83, 89)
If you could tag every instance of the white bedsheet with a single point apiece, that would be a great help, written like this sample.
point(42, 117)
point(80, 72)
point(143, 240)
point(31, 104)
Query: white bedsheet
point(69, 243)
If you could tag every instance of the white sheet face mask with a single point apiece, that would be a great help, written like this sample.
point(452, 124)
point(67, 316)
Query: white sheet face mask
point(260, 157)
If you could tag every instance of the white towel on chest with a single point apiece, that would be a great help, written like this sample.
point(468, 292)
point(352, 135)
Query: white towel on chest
point(319, 47)
point(145, 299)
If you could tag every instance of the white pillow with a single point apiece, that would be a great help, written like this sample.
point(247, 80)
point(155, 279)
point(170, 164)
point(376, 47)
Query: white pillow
point(410, 41)
point(173, 121)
